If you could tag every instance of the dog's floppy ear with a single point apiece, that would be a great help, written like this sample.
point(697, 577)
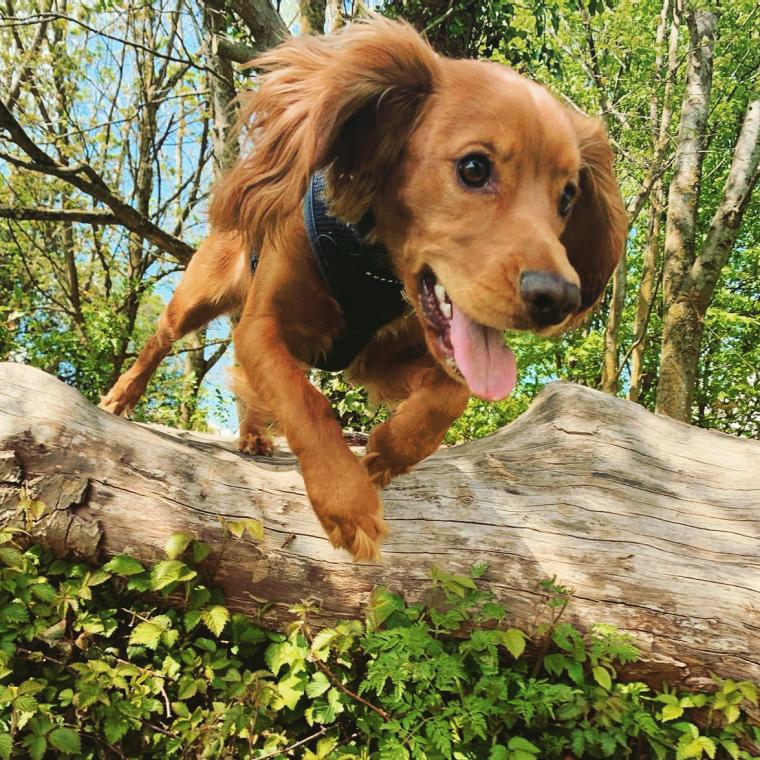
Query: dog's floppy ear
point(346, 101)
point(596, 230)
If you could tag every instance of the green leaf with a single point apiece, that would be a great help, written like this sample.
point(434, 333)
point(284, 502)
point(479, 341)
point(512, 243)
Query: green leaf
point(25, 703)
point(192, 618)
point(464, 581)
point(170, 667)
point(201, 550)
point(602, 677)
point(318, 685)
point(575, 671)
point(36, 745)
point(115, 727)
point(498, 752)
point(322, 641)
point(383, 603)
point(290, 690)
point(671, 712)
point(123, 564)
point(518, 743)
point(731, 747)
point(146, 634)
point(169, 571)
point(697, 747)
point(12, 558)
point(139, 582)
point(239, 528)
point(98, 577)
point(188, 687)
point(44, 591)
point(732, 713)
point(514, 640)
point(15, 612)
point(555, 663)
point(479, 569)
point(215, 618)
point(6, 746)
point(176, 544)
point(66, 740)
point(749, 691)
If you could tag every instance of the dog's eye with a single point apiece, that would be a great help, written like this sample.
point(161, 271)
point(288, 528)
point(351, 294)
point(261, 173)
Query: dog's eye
point(567, 198)
point(474, 169)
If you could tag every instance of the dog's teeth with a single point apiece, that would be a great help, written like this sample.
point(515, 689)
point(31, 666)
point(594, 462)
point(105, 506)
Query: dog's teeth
point(443, 300)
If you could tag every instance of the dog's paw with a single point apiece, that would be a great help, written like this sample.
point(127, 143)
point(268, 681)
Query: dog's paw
point(360, 530)
point(256, 444)
point(380, 470)
point(115, 404)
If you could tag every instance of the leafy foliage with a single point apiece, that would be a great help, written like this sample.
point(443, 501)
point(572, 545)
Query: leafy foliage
point(99, 663)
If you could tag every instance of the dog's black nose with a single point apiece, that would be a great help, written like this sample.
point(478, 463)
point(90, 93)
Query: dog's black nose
point(550, 298)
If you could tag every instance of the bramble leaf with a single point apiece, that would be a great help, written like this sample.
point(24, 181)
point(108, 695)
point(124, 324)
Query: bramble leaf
point(146, 634)
point(215, 618)
point(123, 564)
point(66, 740)
point(176, 545)
point(514, 640)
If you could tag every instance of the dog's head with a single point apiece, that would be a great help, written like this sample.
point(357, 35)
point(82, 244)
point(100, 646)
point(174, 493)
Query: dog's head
point(497, 202)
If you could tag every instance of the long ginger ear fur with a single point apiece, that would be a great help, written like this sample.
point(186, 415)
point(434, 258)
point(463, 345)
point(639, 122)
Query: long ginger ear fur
point(345, 102)
point(596, 230)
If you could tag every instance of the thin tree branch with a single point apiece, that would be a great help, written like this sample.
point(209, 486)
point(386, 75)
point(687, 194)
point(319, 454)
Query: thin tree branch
point(85, 178)
point(85, 216)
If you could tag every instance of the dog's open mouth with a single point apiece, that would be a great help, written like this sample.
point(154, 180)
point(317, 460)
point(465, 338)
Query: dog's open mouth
point(476, 353)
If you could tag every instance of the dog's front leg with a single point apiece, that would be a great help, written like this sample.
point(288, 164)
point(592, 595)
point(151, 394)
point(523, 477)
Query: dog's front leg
point(337, 483)
point(417, 427)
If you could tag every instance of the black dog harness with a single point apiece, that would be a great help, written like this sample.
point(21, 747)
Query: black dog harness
point(357, 274)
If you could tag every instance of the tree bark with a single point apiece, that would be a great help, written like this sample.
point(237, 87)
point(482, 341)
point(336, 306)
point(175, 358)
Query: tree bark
point(221, 87)
point(312, 16)
point(675, 390)
point(660, 125)
point(684, 323)
point(264, 23)
point(646, 294)
point(610, 365)
point(654, 523)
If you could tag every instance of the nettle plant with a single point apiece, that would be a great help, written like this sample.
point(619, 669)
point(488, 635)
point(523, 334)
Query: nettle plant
point(107, 663)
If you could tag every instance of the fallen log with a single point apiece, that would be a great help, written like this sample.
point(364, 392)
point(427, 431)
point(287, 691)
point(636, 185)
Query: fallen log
point(654, 523)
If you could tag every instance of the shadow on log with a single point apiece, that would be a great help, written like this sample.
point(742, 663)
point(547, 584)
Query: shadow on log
point(654, 523)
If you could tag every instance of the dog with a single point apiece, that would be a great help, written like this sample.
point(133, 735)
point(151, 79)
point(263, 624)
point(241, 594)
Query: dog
point(472, 202)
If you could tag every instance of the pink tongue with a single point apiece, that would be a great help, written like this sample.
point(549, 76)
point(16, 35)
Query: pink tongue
point(488, 365)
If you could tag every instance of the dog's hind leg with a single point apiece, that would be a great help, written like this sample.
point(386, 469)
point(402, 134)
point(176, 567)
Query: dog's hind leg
point(255, 425)
point(215, 282)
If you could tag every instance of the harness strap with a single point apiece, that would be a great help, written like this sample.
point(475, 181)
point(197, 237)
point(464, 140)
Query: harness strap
point(358, 275)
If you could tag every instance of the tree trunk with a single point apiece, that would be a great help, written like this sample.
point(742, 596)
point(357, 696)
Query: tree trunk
point(655, 524)
point(675, 389)
point(646, 295)
point(610, 366)
point(660, 125)
point(222, 88)
point(684, 321)
point(312, 16)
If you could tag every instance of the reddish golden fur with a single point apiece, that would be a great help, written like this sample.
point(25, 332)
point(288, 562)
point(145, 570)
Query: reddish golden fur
point(387, 118)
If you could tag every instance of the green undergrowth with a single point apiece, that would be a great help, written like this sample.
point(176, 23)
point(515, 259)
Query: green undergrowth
point(107, 663)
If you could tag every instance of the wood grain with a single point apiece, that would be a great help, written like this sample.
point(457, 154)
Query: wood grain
point(654, 523)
